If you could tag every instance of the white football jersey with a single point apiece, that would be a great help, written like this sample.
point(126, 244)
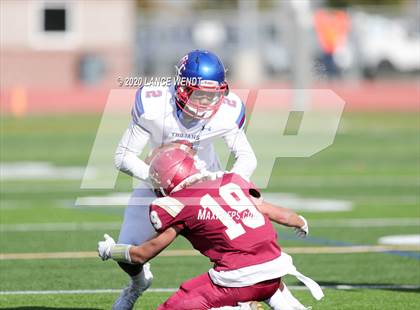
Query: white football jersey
point(157, 119)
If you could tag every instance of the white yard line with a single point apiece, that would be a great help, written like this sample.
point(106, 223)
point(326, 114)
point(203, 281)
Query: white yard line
point(42, 170)
point(178, 253)
point(74, 226)
point(60, 226)
point(87, 254)
point(23, 171)
point(369, 222)
point(400, 239)
point(292, 201)
point(349, 180)
point(170, 290)
point(288, 200)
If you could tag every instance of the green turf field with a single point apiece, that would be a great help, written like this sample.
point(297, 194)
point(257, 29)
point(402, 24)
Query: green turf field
point(373, 164)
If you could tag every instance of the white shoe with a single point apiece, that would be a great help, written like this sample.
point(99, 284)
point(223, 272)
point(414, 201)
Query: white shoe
point(253, 305)
point(134, 290)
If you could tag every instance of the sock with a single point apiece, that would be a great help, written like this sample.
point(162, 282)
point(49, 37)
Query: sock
point(132, 270)
point(144, 278)
point(292, 300)
point(284, 300)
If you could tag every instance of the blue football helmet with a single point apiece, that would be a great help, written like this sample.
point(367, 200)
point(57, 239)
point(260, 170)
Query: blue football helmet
point(201, 84)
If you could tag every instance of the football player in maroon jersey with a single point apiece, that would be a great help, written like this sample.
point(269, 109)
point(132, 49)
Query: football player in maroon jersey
point(225, 219)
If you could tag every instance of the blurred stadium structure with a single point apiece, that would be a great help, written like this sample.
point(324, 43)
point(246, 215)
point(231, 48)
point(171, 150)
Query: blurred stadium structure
point(59, 64)
point(66, 55)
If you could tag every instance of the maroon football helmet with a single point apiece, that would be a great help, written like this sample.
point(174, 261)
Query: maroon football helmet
point(170, 166)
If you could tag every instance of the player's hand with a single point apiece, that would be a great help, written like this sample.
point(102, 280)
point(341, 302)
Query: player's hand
point(214, 175)
point(211, 175)
point(105, 247)
point(302, 231)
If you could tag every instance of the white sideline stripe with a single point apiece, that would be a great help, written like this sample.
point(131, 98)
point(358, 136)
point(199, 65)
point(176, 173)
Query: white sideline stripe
point(369, 222)
point(372, 222)
point(97, 291)
point(60, 226)
point(38, 171)
point(87, 254)
point(177, 253)
point(400, 239)
point(291, 201)
point(170, 290)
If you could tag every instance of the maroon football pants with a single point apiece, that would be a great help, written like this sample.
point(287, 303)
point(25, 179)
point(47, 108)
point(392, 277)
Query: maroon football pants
point(202, 293)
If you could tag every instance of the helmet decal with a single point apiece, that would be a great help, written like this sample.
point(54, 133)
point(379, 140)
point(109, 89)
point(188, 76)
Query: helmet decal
point(181, 65)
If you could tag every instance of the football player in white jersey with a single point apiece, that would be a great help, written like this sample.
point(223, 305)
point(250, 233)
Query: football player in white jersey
point(199, 108)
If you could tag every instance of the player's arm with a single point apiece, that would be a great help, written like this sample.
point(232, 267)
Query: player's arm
point(136, 254)
point(237, 142)
point(142, 253)
point(245, 159)
point(129, 148)
point(132, 143)
point(283, 216)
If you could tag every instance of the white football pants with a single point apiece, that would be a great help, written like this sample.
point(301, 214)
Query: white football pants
point(136, 227)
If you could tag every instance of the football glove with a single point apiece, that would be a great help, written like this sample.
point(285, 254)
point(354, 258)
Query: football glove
point(105, 247)
point(119, 252)
point(302, 231)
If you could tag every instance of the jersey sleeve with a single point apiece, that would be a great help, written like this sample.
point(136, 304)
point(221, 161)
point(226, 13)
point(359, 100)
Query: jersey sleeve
point(138, 112)
point(233, 112)
point(240, 119)
point(233, 116)
point(129, 148)
point(166, 212)
point(149, 105)
point(245, 159)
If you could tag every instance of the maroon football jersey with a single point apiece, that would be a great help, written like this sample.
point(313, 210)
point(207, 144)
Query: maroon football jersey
point(221, 221)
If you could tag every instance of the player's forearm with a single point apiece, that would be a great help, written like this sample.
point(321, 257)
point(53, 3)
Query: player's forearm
point(143, 253)
point(138, 255)
point(130, 254)
point(129, 148)
point(129, 163)
point(125, 253)
point(280, 215)
point(245, 164)
point(290, 218)
point(245, 159)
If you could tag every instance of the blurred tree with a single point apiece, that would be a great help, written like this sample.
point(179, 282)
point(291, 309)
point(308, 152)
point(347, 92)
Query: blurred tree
point(345, 3)
point(194, 4)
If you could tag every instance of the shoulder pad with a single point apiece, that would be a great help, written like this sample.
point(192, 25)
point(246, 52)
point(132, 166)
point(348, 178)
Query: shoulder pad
point(171, 205)
point(150, 102)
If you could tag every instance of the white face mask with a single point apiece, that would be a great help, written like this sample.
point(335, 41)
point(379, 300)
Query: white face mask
point(196, 113)
point(205, 98)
